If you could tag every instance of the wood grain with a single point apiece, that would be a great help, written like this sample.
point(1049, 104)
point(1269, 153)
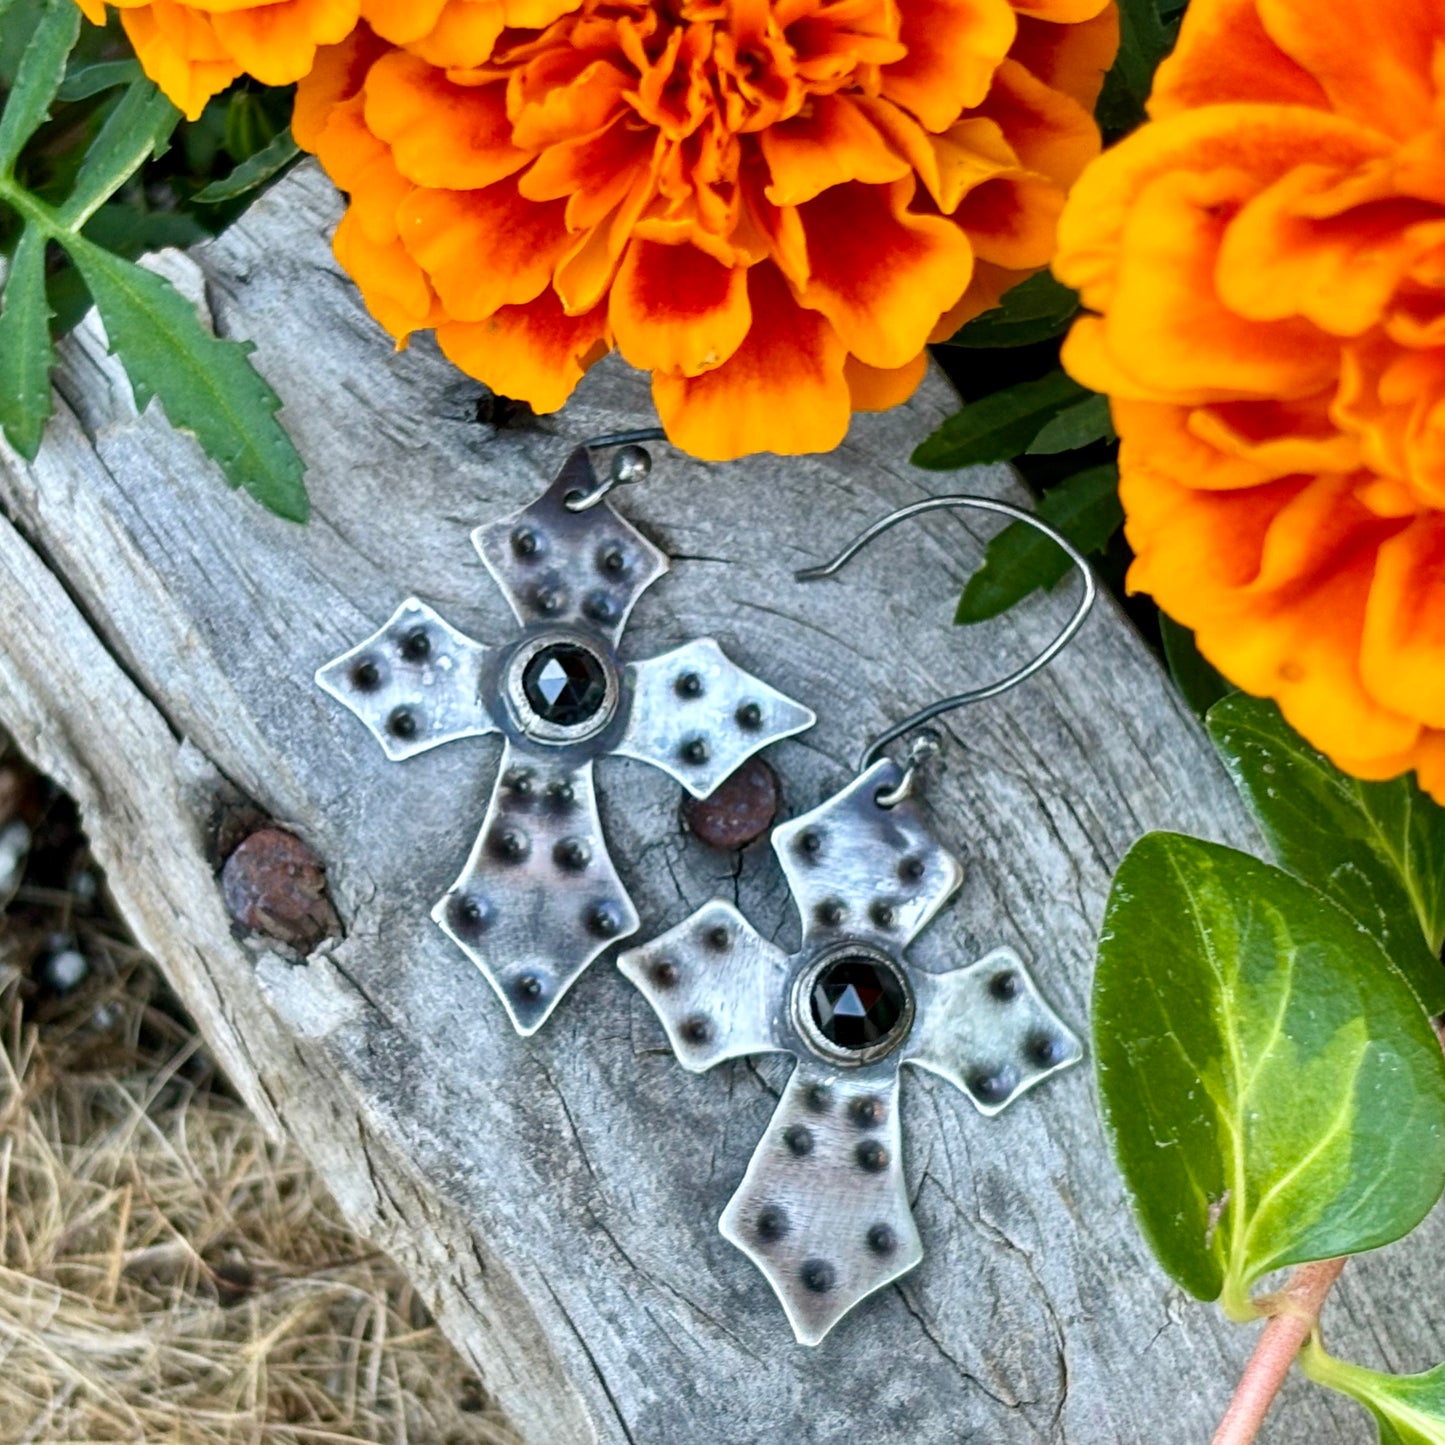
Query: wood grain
point(556, 1198)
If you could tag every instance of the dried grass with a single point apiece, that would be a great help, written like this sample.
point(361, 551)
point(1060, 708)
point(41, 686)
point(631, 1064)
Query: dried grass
point(166, 1273)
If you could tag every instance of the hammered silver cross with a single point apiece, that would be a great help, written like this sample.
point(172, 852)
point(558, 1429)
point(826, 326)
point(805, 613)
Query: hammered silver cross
point(539, 897)
point(823, 1210)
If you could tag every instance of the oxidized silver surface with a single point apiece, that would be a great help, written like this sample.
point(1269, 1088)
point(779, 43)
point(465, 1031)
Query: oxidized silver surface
point(823, 1210)
point(539, 897)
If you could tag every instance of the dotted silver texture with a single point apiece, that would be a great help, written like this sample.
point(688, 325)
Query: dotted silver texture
point(823, 1208)
point(539, 897)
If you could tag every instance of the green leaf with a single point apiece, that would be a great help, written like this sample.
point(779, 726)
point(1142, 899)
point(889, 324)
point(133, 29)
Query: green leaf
point(1144, 40)
point(1274, 1090)
point(254, 171)
point(84, 81)
point(26, 352)
point(1019, 560)
point(998, 427)
point(1409, 1409)
point(1076, 426)
point(1199, 683)
point(205, 384)
point(42, 67)
point(1378, 849)
point(1035, 310)
point(133, 132)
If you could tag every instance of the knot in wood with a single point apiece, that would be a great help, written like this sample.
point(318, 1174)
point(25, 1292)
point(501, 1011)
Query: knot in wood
point(274, 884)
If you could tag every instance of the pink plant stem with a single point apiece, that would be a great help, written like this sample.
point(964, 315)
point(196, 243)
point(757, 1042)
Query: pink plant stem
point(1295, 1312)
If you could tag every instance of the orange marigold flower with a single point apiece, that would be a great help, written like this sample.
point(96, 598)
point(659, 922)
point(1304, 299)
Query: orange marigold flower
point(196, 48)
point(772, 205)
point(1266, 258)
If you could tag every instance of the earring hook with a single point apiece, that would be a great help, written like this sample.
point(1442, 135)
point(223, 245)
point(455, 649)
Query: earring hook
point(1040, 660)
point(631, 464)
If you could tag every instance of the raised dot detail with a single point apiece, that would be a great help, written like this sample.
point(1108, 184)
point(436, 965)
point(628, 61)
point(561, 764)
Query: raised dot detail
point(416, 645)
point(772, 1223)
point(799, 1139)
point(402, 724)
point(872, 1156)
point(573, 854)
point(881, 1239)
point(365, 675)
point(817, 1275)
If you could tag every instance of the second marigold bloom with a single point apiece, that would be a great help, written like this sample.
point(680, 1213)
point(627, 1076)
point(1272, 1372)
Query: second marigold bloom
point(770, 206)
point(1267, 260)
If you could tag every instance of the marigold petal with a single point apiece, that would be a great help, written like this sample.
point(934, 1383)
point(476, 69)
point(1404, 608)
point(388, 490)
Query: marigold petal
point(1339, 272)
point(1166, 313)
point(464, 35)
point(178, 49)
point(872, 388)
point(881, 273)
point(833, 143)
point(446, 232)
point(782, 391)
point(1071, 58)
point(441, 134)
point(277, 43)
point(93, 10)
point(1404, 632)
point(675, 309)
point(337, 76)
point(402, 21)
point(1275, 603)
point(1373, 61)
point(391, 283)
point(1060, 12)
point(954, 47)
point(1225, 54)
point(1012, 220)
point(986, 289)
point(1258, 142)
point(1048, 131)
point(535, 353)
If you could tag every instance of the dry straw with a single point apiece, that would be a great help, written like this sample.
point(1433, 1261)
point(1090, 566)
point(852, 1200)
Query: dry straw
point(167, 1274)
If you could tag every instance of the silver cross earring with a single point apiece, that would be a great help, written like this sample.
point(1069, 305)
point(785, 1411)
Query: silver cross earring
point(539, 897)
point(822, 1209)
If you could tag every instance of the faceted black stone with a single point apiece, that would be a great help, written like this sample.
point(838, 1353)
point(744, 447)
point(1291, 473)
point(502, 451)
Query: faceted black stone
point(564, 684)
point(857, 1002)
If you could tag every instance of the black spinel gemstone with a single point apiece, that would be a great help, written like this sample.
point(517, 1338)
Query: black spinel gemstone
point(564, 684)
point(857, 1002)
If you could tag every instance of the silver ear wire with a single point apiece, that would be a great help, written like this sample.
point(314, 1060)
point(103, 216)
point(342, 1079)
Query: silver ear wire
point(631, 464)
point(1040, 660)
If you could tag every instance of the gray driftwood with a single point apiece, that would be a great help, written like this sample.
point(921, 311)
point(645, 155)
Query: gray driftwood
point(556, 1199)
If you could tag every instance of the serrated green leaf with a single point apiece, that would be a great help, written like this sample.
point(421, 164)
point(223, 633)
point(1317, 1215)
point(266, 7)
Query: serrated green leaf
point(26, 352)
point(1198, 681)
point(1019, 560)
point(42, 68)
point(1274, 1090)
point(83, 81)
point(1076, 426)
point(254, 171)
point(1378, 849)
point(998, 428)
point(205, 384)
point(133, 132)
point(1035, 310)
point(1408, 1409)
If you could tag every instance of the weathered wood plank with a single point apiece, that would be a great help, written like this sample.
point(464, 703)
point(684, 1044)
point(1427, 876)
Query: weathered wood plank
point(556, 1197)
